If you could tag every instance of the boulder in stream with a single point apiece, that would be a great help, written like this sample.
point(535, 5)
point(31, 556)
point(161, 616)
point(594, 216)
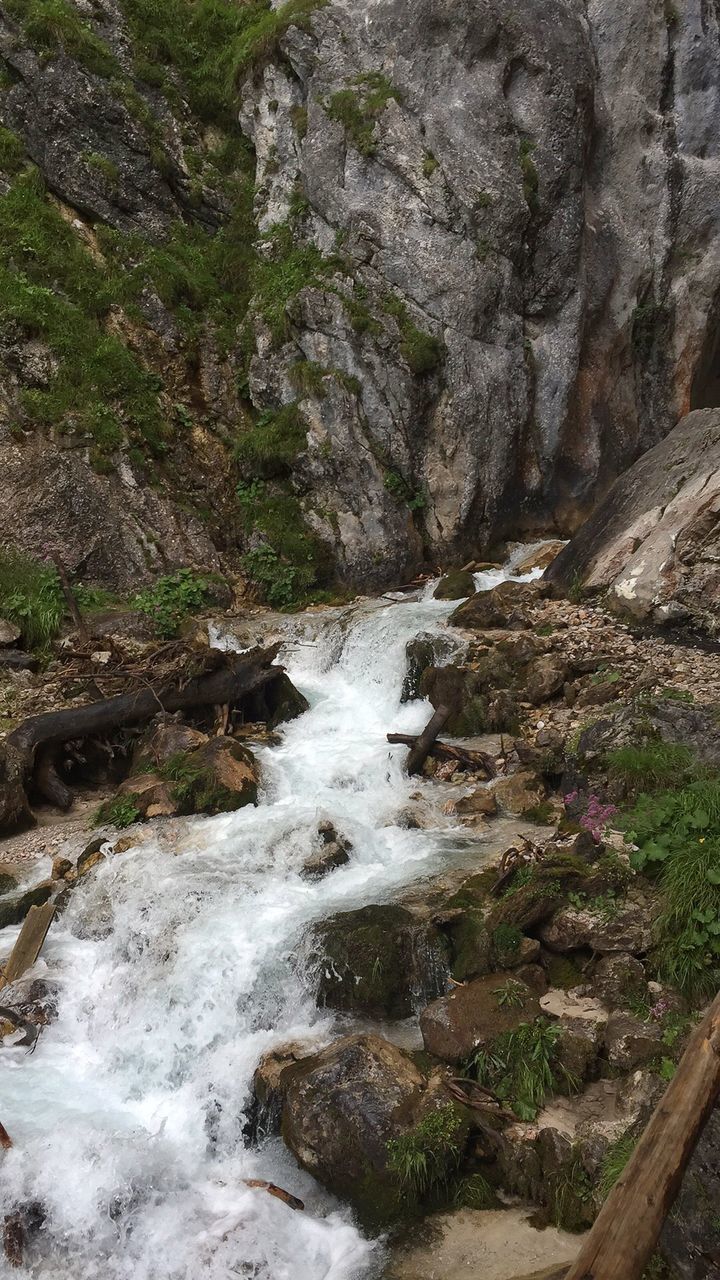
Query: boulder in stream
point(472, 1016)
point(379, 960)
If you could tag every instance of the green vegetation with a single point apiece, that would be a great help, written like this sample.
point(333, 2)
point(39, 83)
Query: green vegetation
point(430, 164)
point(531, 182)
point(281, 272)
point(397, 485)
point(173, 598)
point(421, 352)
point(614, 1161)
point(12, 152)
point(571, 1196)
point(425, 1158)
point(52, 26)
point(511, 995)
point(106, 167)
point(30, 596)
point(507, 940)
point(521, 1067)
point(475, 1192)
point(676, 835)
point(650, 765)
point(290, 560)
point(122, 811)
point(309, 377)
point(358, 109)
point(271, 446)
point(195, 788)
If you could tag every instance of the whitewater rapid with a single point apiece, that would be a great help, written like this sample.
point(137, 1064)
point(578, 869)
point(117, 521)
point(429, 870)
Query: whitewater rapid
point(177, 971)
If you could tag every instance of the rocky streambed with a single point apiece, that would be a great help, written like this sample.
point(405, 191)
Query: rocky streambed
point(400, 1000)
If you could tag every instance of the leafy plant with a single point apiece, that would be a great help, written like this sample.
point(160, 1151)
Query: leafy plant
point(120, 812)
point(30, 596)
point(511, 995)
point(427, 1156)
point(614, 1161)
point(172, 599)
point(521, 1067)
point(359, 107)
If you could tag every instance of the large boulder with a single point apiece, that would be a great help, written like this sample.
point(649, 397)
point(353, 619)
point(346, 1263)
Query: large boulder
point(456, 585)
point(379, 960)
point(342, 1107)
point(604, 928)
point(653, 544)
point(507, 607)
point(217, 775)
point(472, 1016)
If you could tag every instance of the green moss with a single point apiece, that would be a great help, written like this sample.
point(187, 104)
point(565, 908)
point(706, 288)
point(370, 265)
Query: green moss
point(506, 940)
point(12, 152)
point(430, 164)
point(103, 165)
point(278, 276)
point(195, 786)
point(421, 352)
point(299, 117)
point(650, 765)
point(564, 973)
point(291, 562)
point(308, 377)
point(358, 109)
point(271, 446)
point(52, 26)
point(530, 178)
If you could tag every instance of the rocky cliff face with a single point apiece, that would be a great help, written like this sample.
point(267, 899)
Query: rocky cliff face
point(459, 269)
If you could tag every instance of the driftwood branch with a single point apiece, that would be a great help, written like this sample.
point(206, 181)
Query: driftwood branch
point(26, 760)
point(626, 1230)
point(476, 760)
point(420, 749)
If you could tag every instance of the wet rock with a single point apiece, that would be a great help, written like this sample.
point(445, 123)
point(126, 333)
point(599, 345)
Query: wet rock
point(617, 978)
point(93, 854)
point(649, 721)
point(519, 791)
point(463, 692)
point(470, 1018)
point(270, 1084)
point(626, 929)
point(424, 650)
point(9, 634)
point(342, 1107)
point(482, 801)
point(507, 608)
point(61, 868)
point(630, 1043)
point(544, 677)
point(455, 586)
point(334, 852)
point(539, 558)
point(282, 702)
point(15, 906)
point(578, 1049)
point(379, 960)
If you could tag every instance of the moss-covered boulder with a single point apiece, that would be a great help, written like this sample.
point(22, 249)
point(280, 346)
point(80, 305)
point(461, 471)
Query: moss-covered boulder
point(457, 585)
point(472, 1016)
point(217, 776)
point(479, 697)
point(424, 650)
point(354, 1110)
point(508, 607)
point(379, 960)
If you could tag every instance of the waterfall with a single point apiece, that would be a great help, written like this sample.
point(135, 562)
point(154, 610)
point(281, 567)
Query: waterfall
point(176, 970)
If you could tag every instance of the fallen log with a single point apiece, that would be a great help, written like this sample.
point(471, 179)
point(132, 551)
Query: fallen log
point(33, 740)
point(476, 760)
point(29, 943)
point(420, 749)
point(626, 1231)
point(5, 1139)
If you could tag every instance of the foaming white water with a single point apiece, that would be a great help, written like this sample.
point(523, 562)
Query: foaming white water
point(176, 973)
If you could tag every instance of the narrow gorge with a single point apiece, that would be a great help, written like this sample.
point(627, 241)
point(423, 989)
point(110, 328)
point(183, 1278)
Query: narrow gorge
point(359, 657)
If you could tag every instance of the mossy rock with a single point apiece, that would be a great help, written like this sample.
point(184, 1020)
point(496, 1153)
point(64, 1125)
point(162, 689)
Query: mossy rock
point(544, 892)
point(471, 946)
point(457, 585)
point(379, 960)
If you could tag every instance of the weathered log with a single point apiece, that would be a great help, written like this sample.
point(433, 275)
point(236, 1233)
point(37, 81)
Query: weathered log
point(29, 943)
point(420, 749)
point(625, 1232)
point(5, 1139)
point(239, 676)
point(273, 1190)
point(477, 760)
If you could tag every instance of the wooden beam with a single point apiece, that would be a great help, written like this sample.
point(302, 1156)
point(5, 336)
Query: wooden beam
point(29, 943)
point(445, 751)
point(625, 1233)
point(420, 751)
